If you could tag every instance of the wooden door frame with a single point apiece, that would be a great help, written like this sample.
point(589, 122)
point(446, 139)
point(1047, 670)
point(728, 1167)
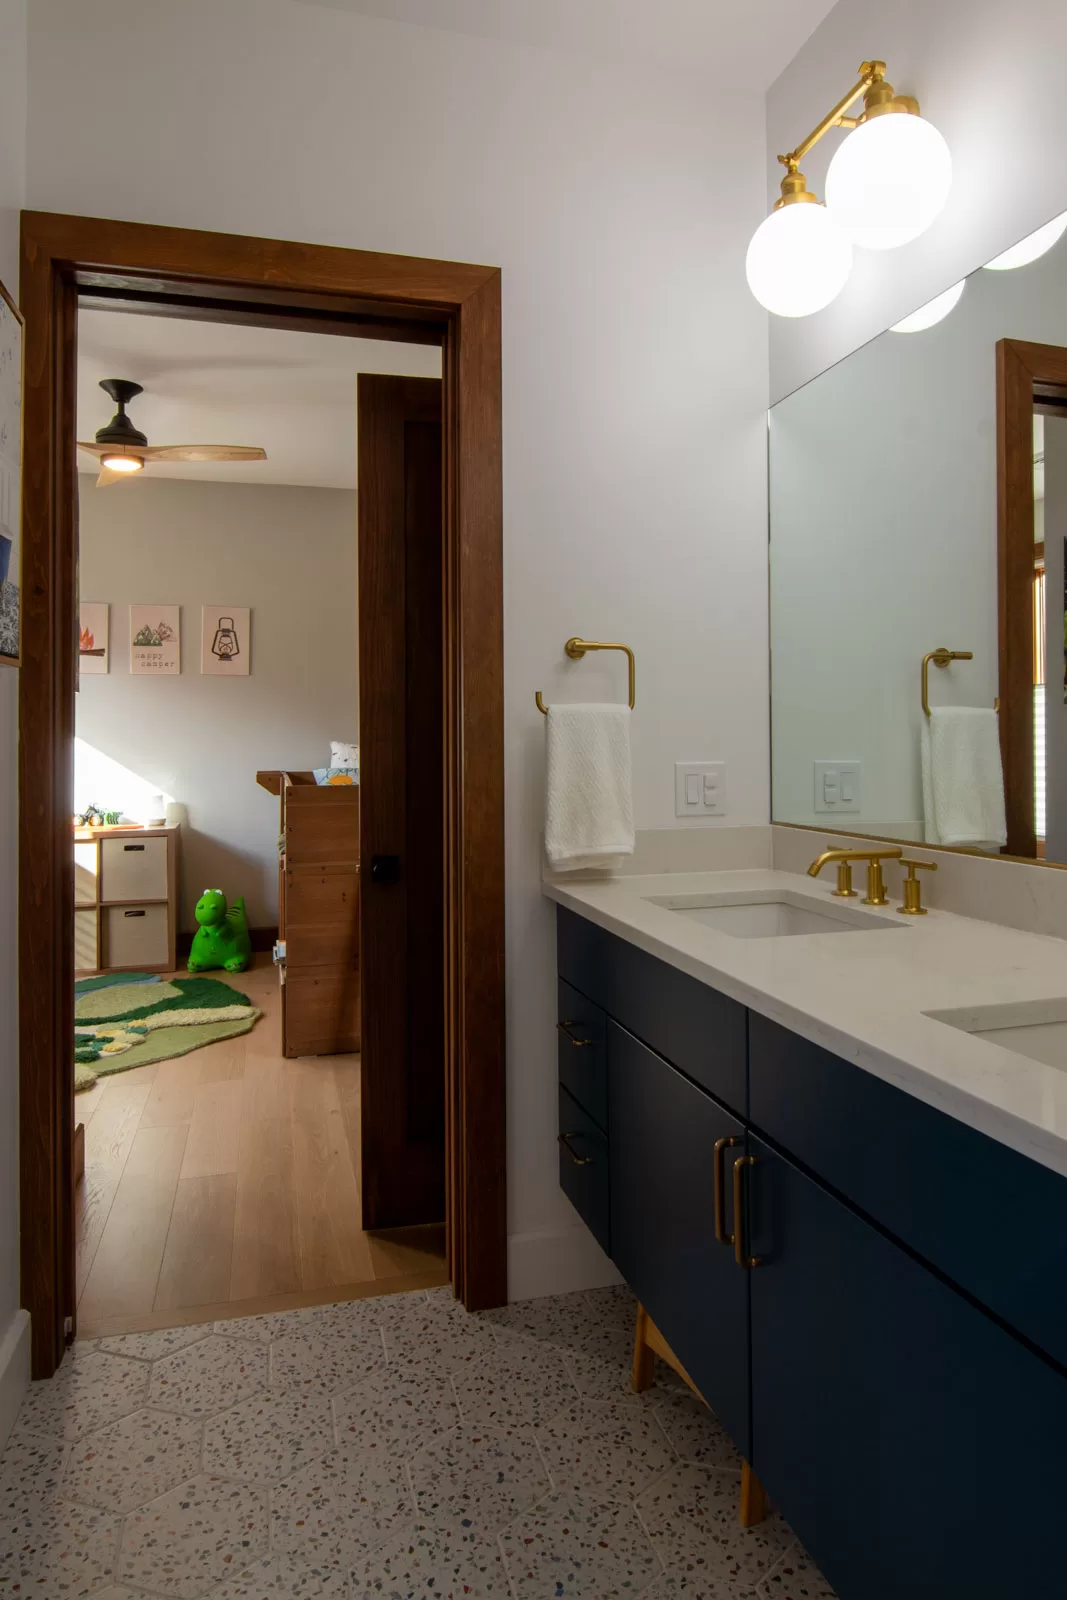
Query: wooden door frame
point(1020, 366)
point(182, 272)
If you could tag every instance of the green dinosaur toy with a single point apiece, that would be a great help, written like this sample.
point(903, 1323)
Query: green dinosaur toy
point(222, 938)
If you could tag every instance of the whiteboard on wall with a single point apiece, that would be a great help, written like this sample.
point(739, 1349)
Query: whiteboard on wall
point(10, 479)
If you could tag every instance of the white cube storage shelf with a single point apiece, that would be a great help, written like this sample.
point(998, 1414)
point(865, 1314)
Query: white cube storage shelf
point(126, 900)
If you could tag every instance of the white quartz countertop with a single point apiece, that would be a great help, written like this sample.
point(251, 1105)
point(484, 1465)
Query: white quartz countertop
point(863, 996)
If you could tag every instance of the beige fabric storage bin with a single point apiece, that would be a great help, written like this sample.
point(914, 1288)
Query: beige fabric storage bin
point(135, 936)
point(86, 955)
point(133, 869)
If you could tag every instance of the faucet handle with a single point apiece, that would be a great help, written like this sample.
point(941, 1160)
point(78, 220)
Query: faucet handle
point(913, 905)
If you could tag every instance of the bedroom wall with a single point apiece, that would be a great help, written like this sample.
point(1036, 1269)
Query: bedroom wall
point(290, 555)
point(14, 1345)
point(618, 202)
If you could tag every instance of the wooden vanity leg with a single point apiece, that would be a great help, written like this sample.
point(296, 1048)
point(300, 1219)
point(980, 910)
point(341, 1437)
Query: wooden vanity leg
point(644, 1372)
point(753, 1498)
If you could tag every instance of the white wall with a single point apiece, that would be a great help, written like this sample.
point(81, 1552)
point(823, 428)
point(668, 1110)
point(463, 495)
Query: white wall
point(884, 543)
point(13, 1354)
point(989, 75)
point(618, 202)
point(290, 555)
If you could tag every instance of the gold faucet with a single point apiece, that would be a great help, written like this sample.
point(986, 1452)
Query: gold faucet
point(876, 895)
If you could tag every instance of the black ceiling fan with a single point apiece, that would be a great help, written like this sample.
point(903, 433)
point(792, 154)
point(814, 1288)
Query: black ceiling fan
point(123, 449)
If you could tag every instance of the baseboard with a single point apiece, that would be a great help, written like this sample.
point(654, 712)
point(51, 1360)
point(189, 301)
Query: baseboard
point(262, 939)
point(14, 1371)
point(556, 1263)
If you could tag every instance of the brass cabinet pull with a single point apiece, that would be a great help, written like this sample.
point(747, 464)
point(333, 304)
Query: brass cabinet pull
point(579, 1161)
point(565, 1030)
point(720, 1148)
point(742, 1259)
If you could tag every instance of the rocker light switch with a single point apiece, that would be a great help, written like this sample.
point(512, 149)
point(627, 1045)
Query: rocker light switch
point(837, 786)
point(700, 788)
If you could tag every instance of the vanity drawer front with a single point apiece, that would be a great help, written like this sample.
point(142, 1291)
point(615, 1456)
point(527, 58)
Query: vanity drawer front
point(583, 1168)
point(993, 1221)
point(581, 1049)
point(133, 869)
point(691, 1025)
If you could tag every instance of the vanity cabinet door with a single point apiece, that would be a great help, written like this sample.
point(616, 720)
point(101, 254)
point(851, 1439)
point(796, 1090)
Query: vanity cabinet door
point(662, 1149)
point(893, 1422)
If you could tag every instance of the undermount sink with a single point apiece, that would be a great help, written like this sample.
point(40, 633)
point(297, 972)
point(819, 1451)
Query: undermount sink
point(771, 915)
point(1036, 1029)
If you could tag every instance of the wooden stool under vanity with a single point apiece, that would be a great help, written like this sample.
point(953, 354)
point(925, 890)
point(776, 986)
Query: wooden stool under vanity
point(650, 1343)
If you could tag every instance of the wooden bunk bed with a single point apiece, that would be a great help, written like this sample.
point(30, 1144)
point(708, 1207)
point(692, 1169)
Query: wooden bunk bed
point(318, 913)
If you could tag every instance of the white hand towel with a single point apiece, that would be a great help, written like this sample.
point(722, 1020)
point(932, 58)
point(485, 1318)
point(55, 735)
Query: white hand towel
point(589, 814)
point(963, 780)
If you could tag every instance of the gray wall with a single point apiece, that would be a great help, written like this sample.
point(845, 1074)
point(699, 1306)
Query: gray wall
point(289, 554)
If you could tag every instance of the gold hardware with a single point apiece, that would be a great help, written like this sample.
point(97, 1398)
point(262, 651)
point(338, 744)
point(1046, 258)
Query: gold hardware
point(844, 890)
point(565, 1029)
point(579, 1161)
point(879, 98)
point(913, 904)
point(719, 1170)
point(940, 658)
point(876, 895)
point(740, 1256)
point(576, 649)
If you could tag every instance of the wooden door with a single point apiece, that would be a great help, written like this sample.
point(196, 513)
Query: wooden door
point(402, 789)
point(890, 1416)
point(663, 1132)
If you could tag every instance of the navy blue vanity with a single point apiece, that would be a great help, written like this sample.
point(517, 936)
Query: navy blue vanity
point(871, 1296)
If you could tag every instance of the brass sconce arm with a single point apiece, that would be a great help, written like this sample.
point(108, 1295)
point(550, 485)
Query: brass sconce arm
point(872, 72)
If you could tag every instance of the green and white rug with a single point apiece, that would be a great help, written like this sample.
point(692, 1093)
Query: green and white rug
point(119, 1025)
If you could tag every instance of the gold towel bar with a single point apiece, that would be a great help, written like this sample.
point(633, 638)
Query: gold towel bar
point(940, 658)
point(576, 649)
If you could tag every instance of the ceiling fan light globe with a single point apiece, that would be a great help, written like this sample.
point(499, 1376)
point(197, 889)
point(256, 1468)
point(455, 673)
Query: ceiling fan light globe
point(122, 463)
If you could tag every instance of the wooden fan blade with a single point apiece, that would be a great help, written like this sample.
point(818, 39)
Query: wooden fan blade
point(107, 476)
point(205, 452)
point(94, 449)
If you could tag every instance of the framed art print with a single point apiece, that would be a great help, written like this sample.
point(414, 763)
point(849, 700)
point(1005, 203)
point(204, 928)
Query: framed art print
point(155, 641)
point(225, 641)
point(92, 637)
point(10, 480)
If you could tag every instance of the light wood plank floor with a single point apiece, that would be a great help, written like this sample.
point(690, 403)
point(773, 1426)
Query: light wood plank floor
point(226, 1183)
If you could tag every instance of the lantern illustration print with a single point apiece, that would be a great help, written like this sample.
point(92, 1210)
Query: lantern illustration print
point(224, 641)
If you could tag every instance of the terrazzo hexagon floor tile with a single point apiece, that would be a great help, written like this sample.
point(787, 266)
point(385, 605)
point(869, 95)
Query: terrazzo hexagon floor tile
point(193, 1537)
point(694, 1431)
point(573, 1546)
point(84, 1395)
point(525, 1382)
point(334, 1512)
point(562, 1319)
point(325, 1360)
point(691, 1515)
point(448, 1560)
point(134, 1460)
point(616, 1304)
point(269, 1437)
point(115, 1593)
point(31, 1473)
point(282, 1578)
point(153, 1346)
point(480, 1476)
point(393, 1411)
point(65, 1550)
point(796, 1577)
point(602, 1361)
point(209, 1376)
point(676, 1586)
point(609, 1448)
point(437, 1340)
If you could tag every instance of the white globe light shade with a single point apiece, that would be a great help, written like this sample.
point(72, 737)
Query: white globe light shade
point(933, 312)
point(1031, 248)
point(798, 260)
point(889, 180)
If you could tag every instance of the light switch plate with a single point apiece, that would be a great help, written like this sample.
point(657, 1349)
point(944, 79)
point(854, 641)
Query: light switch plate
point(837, 786)
point(700, 788)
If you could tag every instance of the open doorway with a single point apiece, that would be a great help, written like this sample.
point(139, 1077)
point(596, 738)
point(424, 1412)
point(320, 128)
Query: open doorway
point(76, 264)
point(218, 787)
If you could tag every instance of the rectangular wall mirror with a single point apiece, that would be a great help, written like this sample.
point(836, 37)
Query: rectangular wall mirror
point(918, 520)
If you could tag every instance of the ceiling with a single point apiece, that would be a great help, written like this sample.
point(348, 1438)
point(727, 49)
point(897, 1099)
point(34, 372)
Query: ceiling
point(718, 39)
point(210, 383)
